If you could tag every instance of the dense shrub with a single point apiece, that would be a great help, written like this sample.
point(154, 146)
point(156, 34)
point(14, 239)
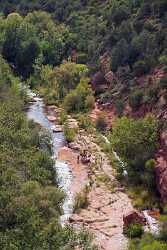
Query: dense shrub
point(81, 201)
point(141, 68)
point(151, 95)
point(90, 102)
point(85, 122)
point(101, 122)
point(119, 105)
point(163, 82)
point(135, 99)
point(134, 230)
point(69, 133)
point(136, 142)
point(147, 242)
point(80, 99)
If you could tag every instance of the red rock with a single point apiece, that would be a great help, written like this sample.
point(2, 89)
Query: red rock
point(133, 217)
point(98, 81)
point(74, 146)
point(161, 168)
point(161, 179)
point(51, 118)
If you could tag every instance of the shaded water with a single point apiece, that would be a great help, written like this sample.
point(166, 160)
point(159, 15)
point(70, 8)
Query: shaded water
point(36, 113)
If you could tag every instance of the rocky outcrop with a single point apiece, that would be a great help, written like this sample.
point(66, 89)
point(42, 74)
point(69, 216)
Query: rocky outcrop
point(104, 78)
point(74, 146)
point(99, 82)
point(161, 169)
point(133, 217)
point(51, 118)
point(72, 123)
point(105, 63)
point(107, 204)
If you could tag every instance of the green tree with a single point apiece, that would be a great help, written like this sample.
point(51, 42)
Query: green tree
point(136, 99)
point(135, 141)
point(77, 99)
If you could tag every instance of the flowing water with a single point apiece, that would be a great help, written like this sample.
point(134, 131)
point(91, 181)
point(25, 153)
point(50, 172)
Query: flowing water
point(36, 112)
point(121, 163)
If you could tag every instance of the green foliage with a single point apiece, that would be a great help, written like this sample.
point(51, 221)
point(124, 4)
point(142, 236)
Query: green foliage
point(149, 174)
point(134, 230)
point(81, 201)
point(147, 242)
point(133, 30)
point(135, 99)
point(84, 121)
point(80, 99)
point(163, 60)
point(135, 141)
point(163, 82)
point(151, 95)
point(69, 133)
point(142, 196)
point(62, 118)
point(141, 68)
point(119, 105)
point(90, 102)
point(163, 231)
point(58, 81)
point(101, 122)
point(26, 41)
point(30, 200)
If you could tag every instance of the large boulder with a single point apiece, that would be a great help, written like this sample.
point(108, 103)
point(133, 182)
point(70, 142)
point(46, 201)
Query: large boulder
point(133, 217)
point(105, 63)
point(74, 146)
point(51, 118)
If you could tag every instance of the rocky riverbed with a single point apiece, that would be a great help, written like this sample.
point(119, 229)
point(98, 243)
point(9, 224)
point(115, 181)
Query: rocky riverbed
point(107, 205)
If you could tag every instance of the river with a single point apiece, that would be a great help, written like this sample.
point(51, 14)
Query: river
point(36, 112)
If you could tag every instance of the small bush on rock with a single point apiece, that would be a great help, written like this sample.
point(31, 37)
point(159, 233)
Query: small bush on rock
point(81, 201)
point(134, 230)
point(101, 122)
point(69, 133)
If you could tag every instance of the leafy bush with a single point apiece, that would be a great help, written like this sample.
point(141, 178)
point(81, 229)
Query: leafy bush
point(69, 133)
point(106, 97)
point(90, 102)
point(134, 230)
point(135, 141)
point(101, 122)
point(142, 197)
point(151, 95)
point(135, 99)
point(148, 178)
point(141, 68)
point(62, 117)
point(119, 105)
point(81, 201)
point(147, 242)
point(163, 82)
point(79, 99)
point(85, 122)
point(82, 58)
point(72, 102)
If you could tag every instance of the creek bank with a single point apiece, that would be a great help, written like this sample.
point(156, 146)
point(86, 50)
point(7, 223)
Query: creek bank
point(38, 112)
point(107, 205)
